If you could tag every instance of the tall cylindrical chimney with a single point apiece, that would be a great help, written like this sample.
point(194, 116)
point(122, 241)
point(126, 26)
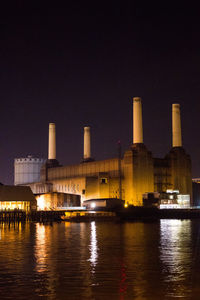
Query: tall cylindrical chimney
point(87, 146)
point(137, 121)
point(52, 141)
point(176, 126)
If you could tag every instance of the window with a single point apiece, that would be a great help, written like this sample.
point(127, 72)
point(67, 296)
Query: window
point(104, 180)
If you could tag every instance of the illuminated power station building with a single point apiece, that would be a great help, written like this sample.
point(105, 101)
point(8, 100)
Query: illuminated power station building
point(128, 177)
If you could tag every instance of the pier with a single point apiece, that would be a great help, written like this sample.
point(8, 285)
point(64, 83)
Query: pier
point(57, 215)
point(36, 216)
point(12, 216)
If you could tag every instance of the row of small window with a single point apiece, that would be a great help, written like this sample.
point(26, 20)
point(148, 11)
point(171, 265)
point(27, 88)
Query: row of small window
point(29, 159)
point(40, 190)
point(68, 188)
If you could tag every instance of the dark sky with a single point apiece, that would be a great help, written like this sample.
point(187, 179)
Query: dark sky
point(81, 65)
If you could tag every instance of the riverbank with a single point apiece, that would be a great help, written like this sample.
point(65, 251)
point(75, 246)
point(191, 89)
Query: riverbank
point(130, 213)
point(144, 213)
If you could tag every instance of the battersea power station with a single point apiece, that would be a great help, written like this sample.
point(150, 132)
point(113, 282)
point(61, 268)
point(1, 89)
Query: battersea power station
point(131, 177)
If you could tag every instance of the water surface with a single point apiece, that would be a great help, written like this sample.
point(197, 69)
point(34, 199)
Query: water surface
point(97, 260)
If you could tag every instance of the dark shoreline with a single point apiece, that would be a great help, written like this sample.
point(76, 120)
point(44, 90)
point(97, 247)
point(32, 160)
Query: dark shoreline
point(125, 214)
point(143, 213)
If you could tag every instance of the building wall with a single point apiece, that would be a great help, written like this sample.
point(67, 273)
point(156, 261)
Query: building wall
point(140, 173)
point(55, 200)
point(143, 179)
point(100, 179)
point(39, 187)
point(84, 169)
point(92, 188)
point(173, 172)
point(181, 171)
point(128, 177)
point(85, 179)
point(196, 193)
point(162, 175)
point(27, 170)
point(72, 185)
point(102, 186)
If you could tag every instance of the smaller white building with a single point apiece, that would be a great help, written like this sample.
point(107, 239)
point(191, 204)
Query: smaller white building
point(27, 170)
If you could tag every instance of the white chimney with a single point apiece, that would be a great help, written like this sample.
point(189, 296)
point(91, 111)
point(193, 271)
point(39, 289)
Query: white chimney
point(176, 126)
point(137, 121)
point(52, 141)
point(87, 146)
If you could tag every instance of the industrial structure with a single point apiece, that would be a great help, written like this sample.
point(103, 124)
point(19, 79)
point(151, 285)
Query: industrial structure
point(17, 198)
point(196, 192)
point(27, 169)
point(128, 177)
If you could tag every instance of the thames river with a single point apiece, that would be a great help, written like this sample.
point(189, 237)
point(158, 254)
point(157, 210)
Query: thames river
point(100, 260)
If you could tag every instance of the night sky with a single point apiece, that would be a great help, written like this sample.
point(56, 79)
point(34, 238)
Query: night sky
point(80, 65)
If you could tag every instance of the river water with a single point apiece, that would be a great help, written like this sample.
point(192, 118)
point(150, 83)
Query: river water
point(100, 260)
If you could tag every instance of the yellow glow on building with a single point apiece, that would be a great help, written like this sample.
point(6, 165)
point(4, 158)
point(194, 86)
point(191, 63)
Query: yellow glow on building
point(12, 205)
point(16, 197)
point(41, 202)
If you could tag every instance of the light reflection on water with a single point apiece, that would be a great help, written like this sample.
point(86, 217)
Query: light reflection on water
point(40, 248)
point(100, 260)
point(93, 246)
point(176, 255)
